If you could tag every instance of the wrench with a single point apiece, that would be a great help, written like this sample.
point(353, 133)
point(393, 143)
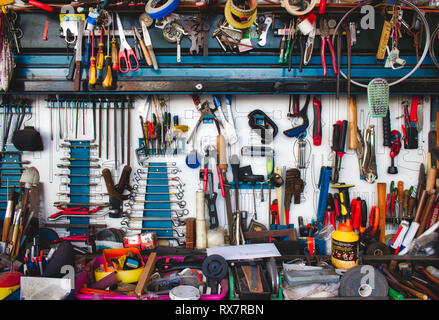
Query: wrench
point(263, 37)
point(178, 195)
point(180, 203)
point(178, 213)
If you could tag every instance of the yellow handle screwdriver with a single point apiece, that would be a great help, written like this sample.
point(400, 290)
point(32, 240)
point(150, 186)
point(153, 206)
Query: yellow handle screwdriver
point(108, 71)
point(92, 70)
point(114, 52)
point(100, 55)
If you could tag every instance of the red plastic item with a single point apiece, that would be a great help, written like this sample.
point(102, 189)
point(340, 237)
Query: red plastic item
point(40, 5)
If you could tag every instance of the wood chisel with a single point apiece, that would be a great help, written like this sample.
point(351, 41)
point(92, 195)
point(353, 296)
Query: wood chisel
point(381, 188)
point(78, 57)
point(148, 44)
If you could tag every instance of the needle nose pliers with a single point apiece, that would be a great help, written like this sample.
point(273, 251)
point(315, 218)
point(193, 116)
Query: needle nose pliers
point(324, 33)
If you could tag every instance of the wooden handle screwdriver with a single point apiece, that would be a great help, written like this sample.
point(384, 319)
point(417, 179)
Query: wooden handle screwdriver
point(426, 212)
point(381, 187)
point(352, 123)
point(431, 179)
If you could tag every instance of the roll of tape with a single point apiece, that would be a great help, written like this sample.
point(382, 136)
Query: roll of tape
point(233, 22)
point(161, 11)
point(241, 13)
point(295, 10)
point(363, 281)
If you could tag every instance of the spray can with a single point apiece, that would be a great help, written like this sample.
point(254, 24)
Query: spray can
point(344, 247)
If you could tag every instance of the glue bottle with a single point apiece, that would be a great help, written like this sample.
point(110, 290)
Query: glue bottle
point(344, 247)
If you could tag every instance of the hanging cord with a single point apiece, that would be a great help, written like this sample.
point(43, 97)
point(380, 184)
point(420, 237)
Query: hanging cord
point(434, 38)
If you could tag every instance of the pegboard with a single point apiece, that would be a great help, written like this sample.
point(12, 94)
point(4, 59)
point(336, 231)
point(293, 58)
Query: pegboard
point(276, 107)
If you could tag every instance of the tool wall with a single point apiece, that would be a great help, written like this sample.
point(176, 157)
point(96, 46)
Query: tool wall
point(221, 148)
point(55, 179)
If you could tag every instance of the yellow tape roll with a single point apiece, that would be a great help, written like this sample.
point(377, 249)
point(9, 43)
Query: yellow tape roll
point(241, 13)
point(233, 22)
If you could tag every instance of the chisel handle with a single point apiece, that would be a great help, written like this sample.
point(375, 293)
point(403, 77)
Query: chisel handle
point(431, 179)
point(222, 154)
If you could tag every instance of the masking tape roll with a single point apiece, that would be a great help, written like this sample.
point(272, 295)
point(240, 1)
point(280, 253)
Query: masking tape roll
point(241, 13)
point(233, 22)
point(295, 10)
point(161, 11)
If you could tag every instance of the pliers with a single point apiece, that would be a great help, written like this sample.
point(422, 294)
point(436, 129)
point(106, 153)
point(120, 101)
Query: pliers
point(296, 36)
point(324, 33)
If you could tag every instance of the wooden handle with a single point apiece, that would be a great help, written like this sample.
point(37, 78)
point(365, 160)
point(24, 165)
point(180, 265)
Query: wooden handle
point(222, 154)
point(400, 187)
point(406, 199)
point(420, 206)
point(145, 53)
point(106, 173)
point(352, 123)
point(146, 274)
point(431, 179)
point(426, 212)
point(381, 188)
point(124, 178)
point(411, 205)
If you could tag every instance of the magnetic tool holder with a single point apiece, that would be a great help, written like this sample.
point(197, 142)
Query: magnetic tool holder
point(11, 168)
point(69, 114)
point(158, 205)
point(79, 184)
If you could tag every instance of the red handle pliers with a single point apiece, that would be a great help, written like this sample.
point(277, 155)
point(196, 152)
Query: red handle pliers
point(324, 33)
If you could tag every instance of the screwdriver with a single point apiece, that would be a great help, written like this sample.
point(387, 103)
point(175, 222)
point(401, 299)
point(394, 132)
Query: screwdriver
point(100, 55)
point(87, 51)
point(108, 71)
point(92, 70)
point(114, 52)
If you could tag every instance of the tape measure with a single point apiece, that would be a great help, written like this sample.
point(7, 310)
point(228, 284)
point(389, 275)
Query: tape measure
point(385, 35)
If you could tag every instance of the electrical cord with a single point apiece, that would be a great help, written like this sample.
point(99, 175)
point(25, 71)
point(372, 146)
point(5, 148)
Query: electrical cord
point(421, 59)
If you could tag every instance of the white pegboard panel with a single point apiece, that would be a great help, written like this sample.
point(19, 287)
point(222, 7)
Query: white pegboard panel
point(276, 107)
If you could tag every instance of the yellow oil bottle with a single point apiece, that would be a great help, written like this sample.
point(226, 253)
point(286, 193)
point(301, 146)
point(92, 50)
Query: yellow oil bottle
point(344, 247)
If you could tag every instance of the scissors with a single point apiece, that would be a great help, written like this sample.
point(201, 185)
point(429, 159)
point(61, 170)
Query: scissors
point(129, 51)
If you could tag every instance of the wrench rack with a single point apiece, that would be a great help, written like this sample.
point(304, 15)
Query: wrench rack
point(79, 183)
point(10, 173)
point(159, 190)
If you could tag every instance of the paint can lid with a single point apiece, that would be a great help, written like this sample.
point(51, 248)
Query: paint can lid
point(184, 293)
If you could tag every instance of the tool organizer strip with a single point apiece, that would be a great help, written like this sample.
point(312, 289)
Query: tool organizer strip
point(76, 187)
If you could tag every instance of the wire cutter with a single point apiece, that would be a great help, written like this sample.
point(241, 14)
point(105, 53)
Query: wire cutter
point(324, 33)
point(127, 56)
point(205, 110)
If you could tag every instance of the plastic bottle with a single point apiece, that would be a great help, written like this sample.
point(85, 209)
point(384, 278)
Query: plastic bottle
point(344, 247)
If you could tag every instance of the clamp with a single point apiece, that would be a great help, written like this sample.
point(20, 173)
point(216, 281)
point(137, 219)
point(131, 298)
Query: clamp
point(299, 130)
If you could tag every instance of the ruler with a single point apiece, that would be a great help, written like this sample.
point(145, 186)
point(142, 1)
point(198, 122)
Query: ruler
point(385, 35)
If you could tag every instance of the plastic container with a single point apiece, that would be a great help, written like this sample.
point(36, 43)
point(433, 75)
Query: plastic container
point(184, 293)
point(82, 280)
point(9, 282)
point(344, 247)
point(125, 276)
